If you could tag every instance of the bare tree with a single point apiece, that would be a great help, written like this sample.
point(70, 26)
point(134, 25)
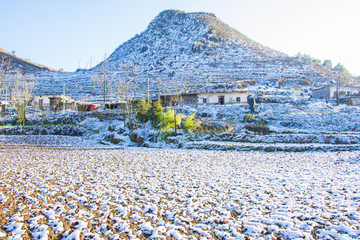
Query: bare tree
point(21, 88)
point(5, 66)
point(126, 87)
point(5, 73)
point(103, 80)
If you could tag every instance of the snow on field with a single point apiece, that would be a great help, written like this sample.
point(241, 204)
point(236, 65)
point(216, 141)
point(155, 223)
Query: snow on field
point(55, 141)
point(178, 194)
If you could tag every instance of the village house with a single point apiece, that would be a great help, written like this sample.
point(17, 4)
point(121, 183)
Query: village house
point(43, 100)
point(170, 99)
point(86, 106)
point(354, 100)
point(4, 94)
point(209, 98)
point(330, 92)
point(58, 102)
point(54, 101)
point(4, 97)
point(222, 97)
point(3, 106)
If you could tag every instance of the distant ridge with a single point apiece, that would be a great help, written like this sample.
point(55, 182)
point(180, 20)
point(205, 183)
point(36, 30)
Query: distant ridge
point(23, 64)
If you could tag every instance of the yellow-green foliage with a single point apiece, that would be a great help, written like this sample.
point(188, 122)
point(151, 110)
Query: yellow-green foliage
point(166, 121)
point(142, 109)
point(249, 117)
point(190, 124)
point(169, 120)
point(155, 115)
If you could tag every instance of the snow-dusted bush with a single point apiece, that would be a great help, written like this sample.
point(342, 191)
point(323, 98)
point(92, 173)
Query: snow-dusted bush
point(67, 130)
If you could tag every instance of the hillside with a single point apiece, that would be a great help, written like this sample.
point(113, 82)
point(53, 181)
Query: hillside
point(203, 50)
point(23, 64)
point(200, 44)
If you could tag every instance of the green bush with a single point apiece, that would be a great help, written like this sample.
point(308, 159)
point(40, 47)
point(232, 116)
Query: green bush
point(169, 120)
point(190, 124)
point(258, 129)
point(261, 122)
point(155, 115)
point(163, 135)
point(249, 117)
point(166, 121)
point(142, 109)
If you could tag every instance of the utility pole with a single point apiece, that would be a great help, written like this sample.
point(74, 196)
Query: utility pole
point(64, 97)
point(148, 93)
point(337, 88)
point(104, 80)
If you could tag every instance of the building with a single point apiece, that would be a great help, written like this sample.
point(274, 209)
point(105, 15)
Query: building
point(222, 97)
point(187, 99)
point(58, 102)
point(44, 99)
point(330, 92)
point(354, 100)
point(209, 98)
point(86, 107)
point(4, 94)
point(3, 106)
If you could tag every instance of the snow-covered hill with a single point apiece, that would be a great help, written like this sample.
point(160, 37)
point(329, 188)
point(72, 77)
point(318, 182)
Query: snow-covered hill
point(24, 64)
point(209, 50)
point(196, 46)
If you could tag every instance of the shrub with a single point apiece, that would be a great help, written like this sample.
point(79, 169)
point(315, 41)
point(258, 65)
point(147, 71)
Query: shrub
point(163, 135)
point(142, 109)
point(214, 127)
point(258, 129)
point(155, 115)
point(190, 124)
point(261, 122)
point(169, 120)
point(249, 117)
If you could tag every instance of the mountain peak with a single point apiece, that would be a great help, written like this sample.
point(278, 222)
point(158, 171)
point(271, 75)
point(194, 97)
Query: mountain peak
point(173, 18)
point(174, 13)
point(202, 20)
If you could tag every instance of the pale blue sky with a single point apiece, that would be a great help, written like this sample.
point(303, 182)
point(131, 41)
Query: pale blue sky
point(76, 33)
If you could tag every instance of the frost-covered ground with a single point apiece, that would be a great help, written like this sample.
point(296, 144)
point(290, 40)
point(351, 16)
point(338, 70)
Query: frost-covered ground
point(178, 194)
point(52, 141)
point(309, 126)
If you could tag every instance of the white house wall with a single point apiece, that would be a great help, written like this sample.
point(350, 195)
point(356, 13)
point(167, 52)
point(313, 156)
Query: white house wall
point(45, 98)
point(4, 93)
point(355, 101)
point(229, 98)
point(330, 92)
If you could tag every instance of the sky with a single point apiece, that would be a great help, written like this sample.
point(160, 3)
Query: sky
point(72, 34)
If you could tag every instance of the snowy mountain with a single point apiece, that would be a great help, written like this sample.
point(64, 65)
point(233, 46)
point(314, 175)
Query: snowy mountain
point(201, 48)
point(23, 64)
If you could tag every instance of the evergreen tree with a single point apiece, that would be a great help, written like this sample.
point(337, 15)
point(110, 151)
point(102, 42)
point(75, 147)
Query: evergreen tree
point(327, 64)
point(171, 120)
point(190, 124)
point(142, 109)
point(341, 69)
point(155, 115)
